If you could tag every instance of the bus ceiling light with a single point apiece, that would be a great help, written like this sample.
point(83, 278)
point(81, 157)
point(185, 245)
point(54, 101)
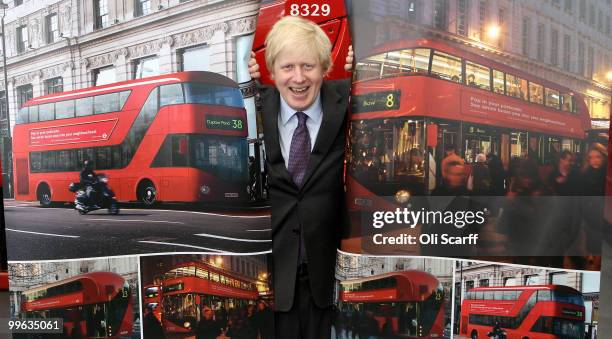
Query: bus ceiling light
point(493, 31)
point(187, 324)
point(204, 189)
point(402, 196)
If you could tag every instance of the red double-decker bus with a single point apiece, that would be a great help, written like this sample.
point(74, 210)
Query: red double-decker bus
point(535, 312)
point(152, 298)
point(97, 304)
point(413, 98)
point(177, 137)
point(189, 287)
point(410, 304)
point(329, 15)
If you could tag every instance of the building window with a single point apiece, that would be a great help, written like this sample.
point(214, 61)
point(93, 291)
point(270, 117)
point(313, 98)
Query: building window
point(509, 281)
point(103, 76)
point(590, 62)
point(526, 34)
point(101, 13)
point(600, 25)
point(580, 69)
point(52, 28)
point(608, 25)
point(503, 30)
point(559, 278)
point(541, 42)
point(195, 59)
point(566, 51)
point(591, 15)
point(462, 17)
point(411, 11)
point(568, 6)
point(18, 3)
point(554, 47)
point(469, 285)
point(142, 7)
point(22, 39)
point(440, 14)
point(532, 280)
point(482, 18)
point(24, 93)
point(146, 67)
point(54, 85)
point(3, 110)
point(556, 3)
point(483, 283)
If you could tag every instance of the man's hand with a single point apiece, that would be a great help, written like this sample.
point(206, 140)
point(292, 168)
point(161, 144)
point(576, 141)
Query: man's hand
point(254, 67)
point(348, 66)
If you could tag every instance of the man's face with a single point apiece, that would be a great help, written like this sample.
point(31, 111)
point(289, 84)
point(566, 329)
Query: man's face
point(565, 163)
point(595, 159)
point(298, 77)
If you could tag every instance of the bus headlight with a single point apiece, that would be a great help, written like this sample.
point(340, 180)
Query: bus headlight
point(402, 196)
point(204, 189)
point(187, 324)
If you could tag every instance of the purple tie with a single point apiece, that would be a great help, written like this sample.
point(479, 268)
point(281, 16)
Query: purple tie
point(299, 153)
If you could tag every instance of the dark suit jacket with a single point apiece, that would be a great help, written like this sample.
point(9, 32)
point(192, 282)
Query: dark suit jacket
point(317, 208)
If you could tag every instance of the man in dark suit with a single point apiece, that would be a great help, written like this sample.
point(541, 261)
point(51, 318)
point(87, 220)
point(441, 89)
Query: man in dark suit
point(304, 121)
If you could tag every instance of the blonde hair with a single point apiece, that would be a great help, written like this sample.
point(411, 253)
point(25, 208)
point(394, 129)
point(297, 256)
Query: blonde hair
point(292, 32)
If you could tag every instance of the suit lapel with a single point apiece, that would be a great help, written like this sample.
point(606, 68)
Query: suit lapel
point(271, 99)
point(333, 116)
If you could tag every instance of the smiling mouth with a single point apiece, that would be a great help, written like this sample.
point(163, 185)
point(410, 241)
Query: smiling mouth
point(299, 91)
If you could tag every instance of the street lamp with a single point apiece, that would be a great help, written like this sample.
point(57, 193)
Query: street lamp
point(609, 76)
point(7, 142)
point(493, 32)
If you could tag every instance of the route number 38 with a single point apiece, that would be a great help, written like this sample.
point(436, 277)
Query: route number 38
point(310, 10)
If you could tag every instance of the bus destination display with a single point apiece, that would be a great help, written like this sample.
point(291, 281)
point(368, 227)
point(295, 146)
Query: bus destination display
point(378, 101)
point(222, 122)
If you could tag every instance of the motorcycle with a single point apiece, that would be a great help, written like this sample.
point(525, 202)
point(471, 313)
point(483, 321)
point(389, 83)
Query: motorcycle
point(498, 335)
point(93, 197)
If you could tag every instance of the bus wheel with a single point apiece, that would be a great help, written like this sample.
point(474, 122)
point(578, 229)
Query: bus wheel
point(474, 335)
point(44, 195)
point(147, 194)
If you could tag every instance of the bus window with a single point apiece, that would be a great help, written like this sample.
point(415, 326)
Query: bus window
point(552, 98)
point(84, 106)
point(535, 93)
point(199, 93)
point(498, 82)
point(477, 75)
point(446, 66)
point(369, 68)
point(106, 103)
point(46, 112)
point(516, 87)
point(171, 95)
point(201, 273)
point(406, 61)
point(567, 103)
point(123, 96)
point(22, 116)
point(488, 295)
point(544, 295)
point(64, 109)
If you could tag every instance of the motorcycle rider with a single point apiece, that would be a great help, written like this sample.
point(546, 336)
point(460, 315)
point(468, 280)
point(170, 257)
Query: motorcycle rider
point(497, 331)
point(88, 179)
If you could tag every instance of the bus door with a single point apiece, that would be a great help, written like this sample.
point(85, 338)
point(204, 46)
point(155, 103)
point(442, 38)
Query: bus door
point(23, 177)
point(479, 140)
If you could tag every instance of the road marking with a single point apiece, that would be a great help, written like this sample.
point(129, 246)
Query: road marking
point(40, 233)
point(139, 220)
point(263, 230)
point(229, 238)
point(181, 245)
point(204, 213)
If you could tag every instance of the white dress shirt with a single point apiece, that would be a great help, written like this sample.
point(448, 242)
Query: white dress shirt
point(288, 122)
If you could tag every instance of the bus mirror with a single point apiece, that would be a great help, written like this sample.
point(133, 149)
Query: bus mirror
point(432, 135)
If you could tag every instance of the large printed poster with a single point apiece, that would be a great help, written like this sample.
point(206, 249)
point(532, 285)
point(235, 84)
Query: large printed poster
point(135, 172)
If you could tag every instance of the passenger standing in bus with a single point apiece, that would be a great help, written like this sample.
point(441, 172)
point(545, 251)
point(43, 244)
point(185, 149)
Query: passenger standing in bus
point(304, 121)
point(451, 156)
point(564, 180)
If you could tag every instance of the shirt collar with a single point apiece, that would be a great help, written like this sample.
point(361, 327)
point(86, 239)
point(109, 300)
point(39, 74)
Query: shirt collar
point(314, 112)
